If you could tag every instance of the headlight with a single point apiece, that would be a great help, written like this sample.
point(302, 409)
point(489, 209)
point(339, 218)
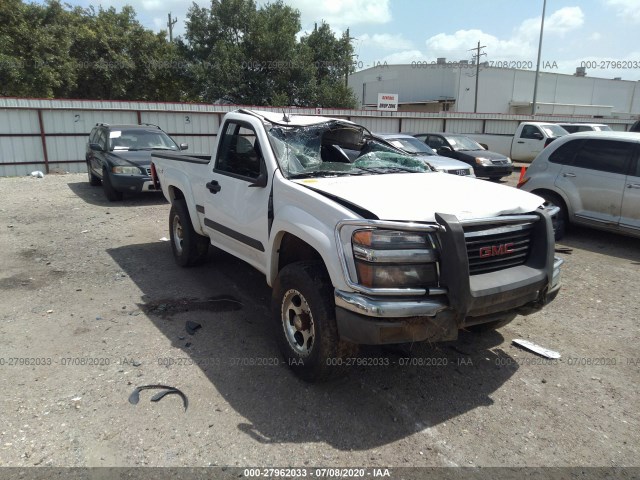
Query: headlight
point(395, 259)
point(483, 161)
point(126, 170)
point(509, 160)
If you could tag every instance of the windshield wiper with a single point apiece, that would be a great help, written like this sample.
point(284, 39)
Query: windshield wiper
point(394, 169)
point(324, 173)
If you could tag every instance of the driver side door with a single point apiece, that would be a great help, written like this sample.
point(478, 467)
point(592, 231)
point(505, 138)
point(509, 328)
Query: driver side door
point(236, 206)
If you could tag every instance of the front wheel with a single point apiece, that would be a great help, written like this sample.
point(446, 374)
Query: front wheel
point(303, 312)
point(111, 193)
point(189, 248)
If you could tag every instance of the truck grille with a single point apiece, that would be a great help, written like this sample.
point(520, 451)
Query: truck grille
point(493, 247)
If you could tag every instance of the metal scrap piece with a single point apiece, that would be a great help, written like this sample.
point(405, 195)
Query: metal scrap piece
point(532, 347)
point(134, 398)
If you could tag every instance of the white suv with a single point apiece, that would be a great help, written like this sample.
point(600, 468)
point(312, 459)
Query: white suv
point(594, 177)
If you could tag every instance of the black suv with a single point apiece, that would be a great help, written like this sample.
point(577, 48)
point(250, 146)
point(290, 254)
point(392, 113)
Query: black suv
point(119, 157)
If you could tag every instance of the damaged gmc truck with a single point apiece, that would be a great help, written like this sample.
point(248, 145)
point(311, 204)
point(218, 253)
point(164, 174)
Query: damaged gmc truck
point(360, 243)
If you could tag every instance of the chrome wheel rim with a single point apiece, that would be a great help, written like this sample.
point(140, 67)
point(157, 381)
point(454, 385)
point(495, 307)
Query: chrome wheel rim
point(178, 234)
point(297, 322)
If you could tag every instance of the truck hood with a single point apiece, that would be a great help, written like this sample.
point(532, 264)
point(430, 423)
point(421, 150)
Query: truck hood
point(418, 196)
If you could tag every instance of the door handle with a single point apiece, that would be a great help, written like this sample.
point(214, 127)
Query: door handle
point(571, 175)
point(520, 142)
point(633, 185)
point(213, 186)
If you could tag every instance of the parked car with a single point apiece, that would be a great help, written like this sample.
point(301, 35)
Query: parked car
point(635, 127)
point(585, 127)
point(119, 157)
point(460, 147)
point(416, 148)
point(594, 177)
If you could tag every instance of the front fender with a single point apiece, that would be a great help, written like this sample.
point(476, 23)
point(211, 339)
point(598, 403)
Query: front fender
point(320, 236)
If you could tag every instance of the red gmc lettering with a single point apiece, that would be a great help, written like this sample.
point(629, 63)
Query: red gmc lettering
point(495, 250)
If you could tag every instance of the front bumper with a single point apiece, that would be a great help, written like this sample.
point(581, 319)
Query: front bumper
point(493, 170)
point(465, 299)
point(132, 183)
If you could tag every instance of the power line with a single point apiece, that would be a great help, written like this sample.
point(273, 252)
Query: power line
point(477, 60)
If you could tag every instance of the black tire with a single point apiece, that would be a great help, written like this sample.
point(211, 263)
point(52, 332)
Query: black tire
point(111, 193)
point(561, 221)
point(94, 181)
point(189, 248)
point(306, 287)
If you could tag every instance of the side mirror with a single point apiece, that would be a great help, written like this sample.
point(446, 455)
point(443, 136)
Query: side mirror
point(184, 146)
point(537, 136)
point(484, 145)
point(96, 147)
point(444, 149)
point(261, 181)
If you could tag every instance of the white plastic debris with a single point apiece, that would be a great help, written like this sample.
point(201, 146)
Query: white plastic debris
point(532, 347)
point(37, 174)
point(164, 239)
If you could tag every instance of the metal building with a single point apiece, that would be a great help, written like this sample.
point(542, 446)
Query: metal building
point(446, 86)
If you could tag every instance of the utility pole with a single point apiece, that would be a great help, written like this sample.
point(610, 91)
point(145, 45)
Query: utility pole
point(477, 57)
point(170, 24)
point(535, 82)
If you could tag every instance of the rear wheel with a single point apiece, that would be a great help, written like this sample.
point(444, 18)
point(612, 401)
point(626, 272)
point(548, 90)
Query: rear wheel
point(111, 193)
point(561, 220)
point(94, 181)
point(189, 248)
point(303, 312)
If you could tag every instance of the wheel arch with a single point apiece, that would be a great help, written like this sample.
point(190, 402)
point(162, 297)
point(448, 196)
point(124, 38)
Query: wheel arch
point(542, 190)
point(294, 245)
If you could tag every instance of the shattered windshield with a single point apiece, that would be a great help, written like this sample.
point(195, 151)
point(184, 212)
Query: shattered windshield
point(335, 148)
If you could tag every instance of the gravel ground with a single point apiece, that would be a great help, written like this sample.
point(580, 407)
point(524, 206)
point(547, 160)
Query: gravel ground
point(92, 305)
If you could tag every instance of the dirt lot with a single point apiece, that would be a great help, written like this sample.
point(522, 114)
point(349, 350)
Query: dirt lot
point(92, 305)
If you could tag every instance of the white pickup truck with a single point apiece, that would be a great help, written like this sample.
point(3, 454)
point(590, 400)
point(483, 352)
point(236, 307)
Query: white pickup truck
point(371, 248)
point(528, 141)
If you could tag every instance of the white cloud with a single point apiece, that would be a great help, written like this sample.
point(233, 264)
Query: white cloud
point(343, 13)
point(384, 41)
point(404, 57)
point(522, 44)
point(595, 36)
point(627, 9)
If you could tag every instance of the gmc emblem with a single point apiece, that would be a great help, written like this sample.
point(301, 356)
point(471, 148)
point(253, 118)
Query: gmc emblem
point(496, 250)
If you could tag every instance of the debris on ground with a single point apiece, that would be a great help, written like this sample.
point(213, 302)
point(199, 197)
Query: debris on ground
point(532, 347)
point(134, 398)
point(191, 327)
point(37, 174)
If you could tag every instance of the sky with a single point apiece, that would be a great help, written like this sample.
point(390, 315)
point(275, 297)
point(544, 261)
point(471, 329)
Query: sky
point(601, 35)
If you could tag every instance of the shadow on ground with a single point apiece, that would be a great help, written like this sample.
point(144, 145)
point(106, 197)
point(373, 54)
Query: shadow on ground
point(95, 196)
point(606, 243)
point(374, 405)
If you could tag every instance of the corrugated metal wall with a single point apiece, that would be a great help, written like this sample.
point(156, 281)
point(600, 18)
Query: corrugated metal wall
point(51, 135)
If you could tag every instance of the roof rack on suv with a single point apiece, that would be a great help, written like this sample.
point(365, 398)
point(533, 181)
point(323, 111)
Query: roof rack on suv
point(150, 125)
point(101, 124)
